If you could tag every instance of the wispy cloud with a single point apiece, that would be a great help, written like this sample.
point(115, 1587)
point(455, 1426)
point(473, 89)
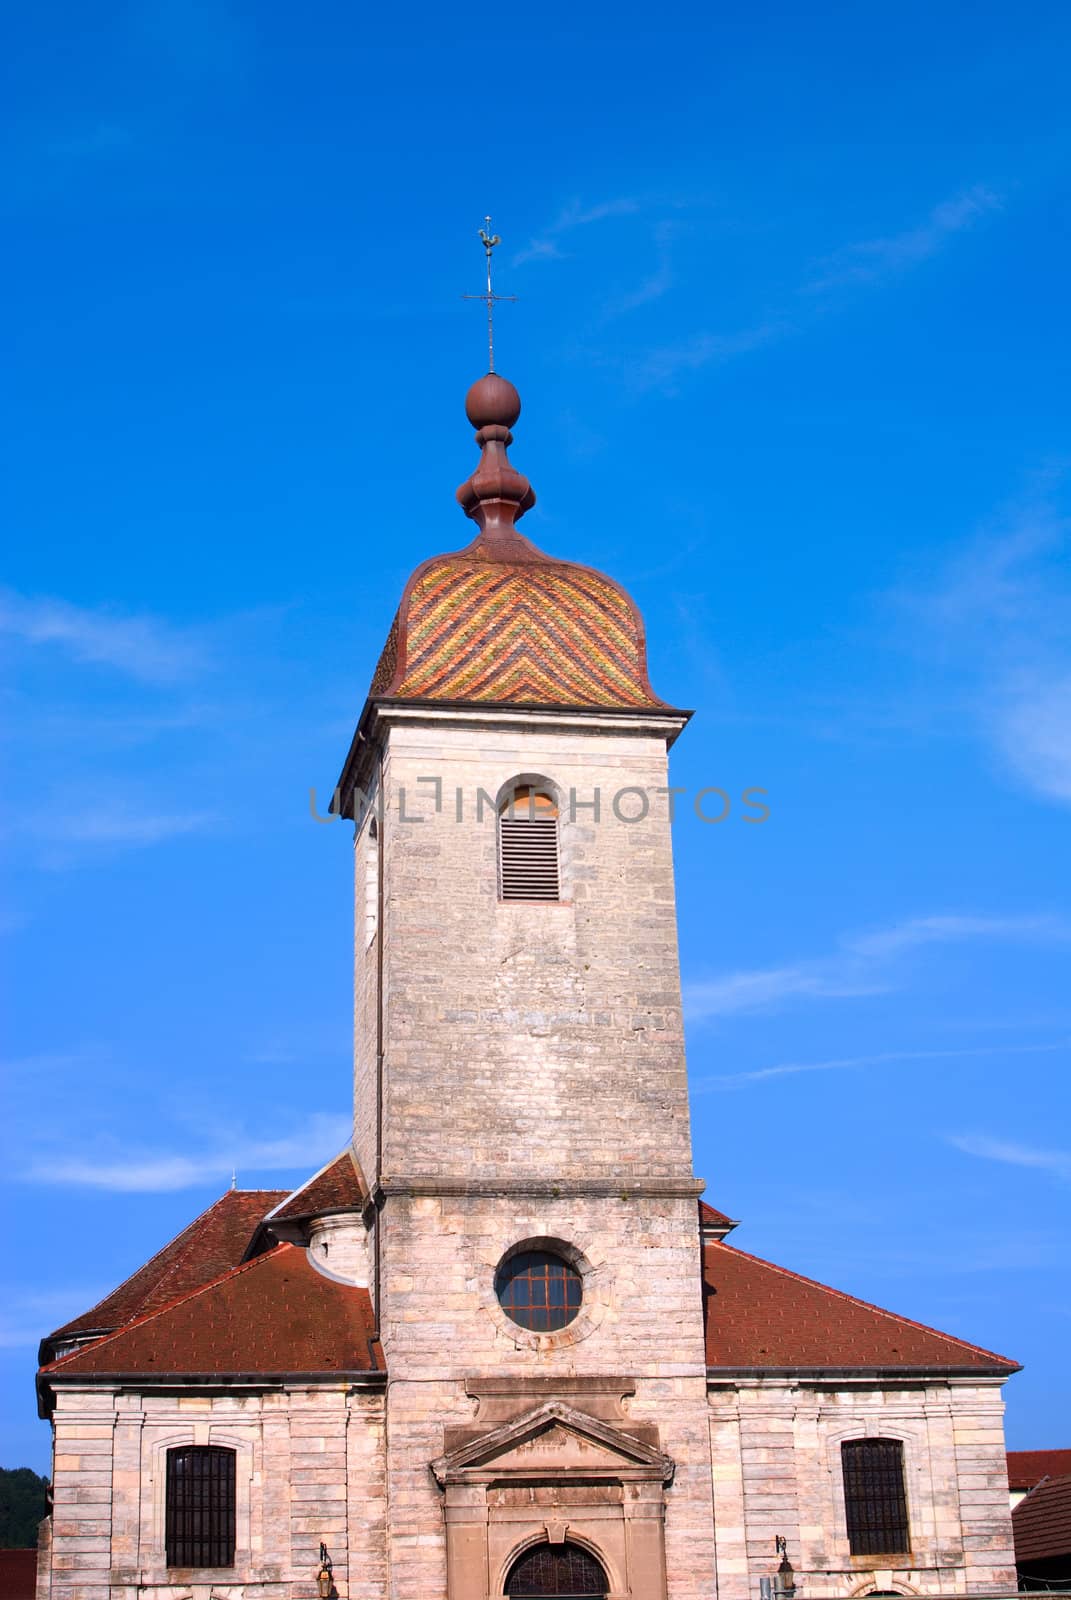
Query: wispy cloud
point(770, 987)
point(659, 368)
point(881, 1058)
point(871, 260)
point(121, 826)
point(1011, 1153)
point(77, 827)
point(1031, 729)
point(547, 246)
point(27, 1313)
point(921, 931)
point(864, 964)
point(650, 288)
point(143, 1171)
point(865, 262)
point(1000, 611)
point(143, 647)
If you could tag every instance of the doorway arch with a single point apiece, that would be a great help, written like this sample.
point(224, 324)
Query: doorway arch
point(564, 1570)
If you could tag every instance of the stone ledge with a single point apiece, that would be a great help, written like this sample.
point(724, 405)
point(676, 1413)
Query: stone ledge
point(548, 1189)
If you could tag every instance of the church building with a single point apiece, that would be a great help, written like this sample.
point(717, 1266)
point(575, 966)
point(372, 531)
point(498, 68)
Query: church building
point(500, 1345)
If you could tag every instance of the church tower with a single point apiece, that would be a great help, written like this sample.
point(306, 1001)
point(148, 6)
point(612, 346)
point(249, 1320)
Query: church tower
point(498, 1348)
point(521, 1111)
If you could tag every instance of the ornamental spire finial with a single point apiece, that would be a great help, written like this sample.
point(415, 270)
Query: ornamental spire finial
point(497, 495)
point(489, 297)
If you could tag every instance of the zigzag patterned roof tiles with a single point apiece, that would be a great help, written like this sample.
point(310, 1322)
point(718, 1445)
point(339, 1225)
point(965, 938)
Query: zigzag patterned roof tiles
point(500, 622)
point(510, 632)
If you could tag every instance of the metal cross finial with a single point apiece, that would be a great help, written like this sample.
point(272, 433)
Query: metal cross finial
point(489, 297)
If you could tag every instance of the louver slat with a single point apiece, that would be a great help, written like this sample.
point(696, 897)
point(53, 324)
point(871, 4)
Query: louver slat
point(528, 857)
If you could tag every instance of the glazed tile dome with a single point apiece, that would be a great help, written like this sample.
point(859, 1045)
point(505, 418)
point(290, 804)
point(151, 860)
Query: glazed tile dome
point(500, 622)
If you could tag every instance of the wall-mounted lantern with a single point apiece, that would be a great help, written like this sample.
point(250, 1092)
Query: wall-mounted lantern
point(782, 1586)
point(325, 1586)
point(784, 1578)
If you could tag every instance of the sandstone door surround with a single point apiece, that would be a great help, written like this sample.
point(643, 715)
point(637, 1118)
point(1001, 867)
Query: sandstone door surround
point(552, 1474)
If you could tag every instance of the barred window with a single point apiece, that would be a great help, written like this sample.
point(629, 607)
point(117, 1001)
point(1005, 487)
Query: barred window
point(200, 1507)
point(528, 846)
point(875, 1504)
point(538, 1290)
point(563, 1569)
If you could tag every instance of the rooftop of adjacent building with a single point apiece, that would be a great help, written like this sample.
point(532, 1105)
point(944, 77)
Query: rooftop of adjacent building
point(18, 1574)
point(234, 1293)
point(1041, 1523)
point(1028, 1467)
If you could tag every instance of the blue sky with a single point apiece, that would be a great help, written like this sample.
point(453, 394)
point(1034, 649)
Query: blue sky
point(792, 340)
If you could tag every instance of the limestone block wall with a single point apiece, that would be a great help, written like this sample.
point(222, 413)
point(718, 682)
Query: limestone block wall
point(339, 1247)
point(982, 1471)
point(526, 1038)
point(366, 937)
point(775, 1454)
point(310, 1466)
point(442, 1328)
point(82, 1471)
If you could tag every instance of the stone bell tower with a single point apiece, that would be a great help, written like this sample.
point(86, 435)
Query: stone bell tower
point(521, 1113)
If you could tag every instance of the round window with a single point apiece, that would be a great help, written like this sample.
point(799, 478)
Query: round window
point(538, 1290)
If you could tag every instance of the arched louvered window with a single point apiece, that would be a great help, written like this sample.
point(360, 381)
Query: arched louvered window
point(528, 846)
point(875, 1504)
point(565, 1570)
point(199, 1528)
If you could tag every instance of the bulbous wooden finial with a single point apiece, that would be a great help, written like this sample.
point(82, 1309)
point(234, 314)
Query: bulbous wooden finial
point(497, 495)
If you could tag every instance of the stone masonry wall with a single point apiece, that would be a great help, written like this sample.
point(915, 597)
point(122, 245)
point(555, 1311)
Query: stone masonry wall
point(442, 1326)
point(310, 1466)
point(775, 1449)
point(534, 1053)
point(366, 936)
point(527, 1038)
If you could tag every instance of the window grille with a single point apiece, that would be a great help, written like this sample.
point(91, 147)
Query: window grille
point(875, 1504)
point(528, 847)
point(538, 1290)
point(564, 1570)
point(200, 1507)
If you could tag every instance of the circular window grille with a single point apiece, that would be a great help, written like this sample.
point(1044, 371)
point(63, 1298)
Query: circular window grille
point(538, 1290)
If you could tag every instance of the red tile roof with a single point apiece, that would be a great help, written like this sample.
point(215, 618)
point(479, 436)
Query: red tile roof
point(18, 1574)
point(710, 1217)
point(1041, 1523)
point(760, 1316)
point(214, 1241)
point(274, 1315)
point(335, 1187)
point(1027, 1467)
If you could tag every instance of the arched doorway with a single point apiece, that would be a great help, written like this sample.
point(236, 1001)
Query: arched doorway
point(564, 1570)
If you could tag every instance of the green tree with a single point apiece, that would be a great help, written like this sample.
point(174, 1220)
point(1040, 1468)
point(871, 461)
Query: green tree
point(22, 1505)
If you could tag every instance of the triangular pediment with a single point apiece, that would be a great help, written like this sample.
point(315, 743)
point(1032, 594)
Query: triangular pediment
point(554, 1439)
